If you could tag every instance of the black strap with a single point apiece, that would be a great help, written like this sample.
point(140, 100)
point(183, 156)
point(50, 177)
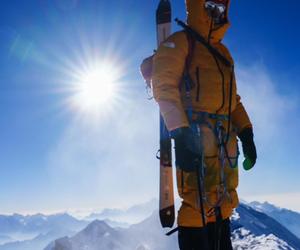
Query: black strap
point(218, 228)
point(187, 82)
point(191, 46)
point(172, 231)
point(230, 102)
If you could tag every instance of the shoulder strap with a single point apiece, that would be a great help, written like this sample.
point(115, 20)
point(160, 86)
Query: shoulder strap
point(187, 82)
point(191, 47)
point(186, 79)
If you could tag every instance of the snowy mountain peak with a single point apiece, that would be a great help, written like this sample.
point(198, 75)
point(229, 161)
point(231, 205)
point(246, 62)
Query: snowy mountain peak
point(249, 241)
point(97, 228)
point(264, 207)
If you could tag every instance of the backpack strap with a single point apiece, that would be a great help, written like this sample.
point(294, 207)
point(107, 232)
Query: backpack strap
point(187, 82)
point(191, 47)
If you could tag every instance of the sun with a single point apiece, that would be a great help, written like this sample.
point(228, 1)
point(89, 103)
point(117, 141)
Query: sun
point(96, 88)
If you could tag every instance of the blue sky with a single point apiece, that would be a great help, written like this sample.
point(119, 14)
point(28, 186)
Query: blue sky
point(57, 158)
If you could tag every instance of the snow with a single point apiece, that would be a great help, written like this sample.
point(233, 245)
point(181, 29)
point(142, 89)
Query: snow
point(244, 240)
point(143, 247)
point(106, 234)
point(235, 216)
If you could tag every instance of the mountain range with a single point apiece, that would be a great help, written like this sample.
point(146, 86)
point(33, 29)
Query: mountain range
point(34, 232)
point(128, 216)
point(251, 229)
point(254, 226)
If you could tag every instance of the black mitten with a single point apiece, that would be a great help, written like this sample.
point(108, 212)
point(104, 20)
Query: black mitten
point(249, 149)
point(187, 149)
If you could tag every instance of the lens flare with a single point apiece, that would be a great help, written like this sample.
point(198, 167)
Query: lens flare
point(95, 89)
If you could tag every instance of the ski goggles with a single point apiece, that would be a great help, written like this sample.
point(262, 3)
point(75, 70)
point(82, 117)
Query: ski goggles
point(216, 9)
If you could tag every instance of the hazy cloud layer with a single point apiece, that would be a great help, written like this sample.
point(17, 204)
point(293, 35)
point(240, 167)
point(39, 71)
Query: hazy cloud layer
point(112, 161)
point(268, 108)
point(276, 127)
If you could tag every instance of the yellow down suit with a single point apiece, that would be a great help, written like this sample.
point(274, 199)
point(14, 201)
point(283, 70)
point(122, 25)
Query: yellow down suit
point(210, 93)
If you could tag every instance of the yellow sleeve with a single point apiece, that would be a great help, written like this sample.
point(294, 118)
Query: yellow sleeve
point(239, 116)
point(168, 67)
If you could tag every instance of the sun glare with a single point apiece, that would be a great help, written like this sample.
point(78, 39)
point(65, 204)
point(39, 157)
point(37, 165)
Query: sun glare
point(96, 88)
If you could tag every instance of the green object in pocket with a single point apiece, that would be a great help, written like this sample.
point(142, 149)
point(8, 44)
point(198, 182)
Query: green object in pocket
point(247, 164)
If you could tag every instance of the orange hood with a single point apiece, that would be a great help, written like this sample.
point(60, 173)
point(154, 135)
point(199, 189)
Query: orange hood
point(198, 19)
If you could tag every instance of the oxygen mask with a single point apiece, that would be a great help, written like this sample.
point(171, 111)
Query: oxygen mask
point(217, 10)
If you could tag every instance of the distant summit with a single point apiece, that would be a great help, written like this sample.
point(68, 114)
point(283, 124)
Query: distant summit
point(96, 229)
point(131, 215)
point(97, 235)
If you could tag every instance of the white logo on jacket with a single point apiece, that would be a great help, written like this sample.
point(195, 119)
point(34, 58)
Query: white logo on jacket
point(170, 45)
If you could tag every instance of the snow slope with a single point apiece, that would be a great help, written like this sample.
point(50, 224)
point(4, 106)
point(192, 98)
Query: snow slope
point(255, 230)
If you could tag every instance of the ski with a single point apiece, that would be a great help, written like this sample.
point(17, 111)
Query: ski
point(166, 193)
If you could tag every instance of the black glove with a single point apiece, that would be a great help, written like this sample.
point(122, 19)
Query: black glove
point(249, 149)
point(187, 149)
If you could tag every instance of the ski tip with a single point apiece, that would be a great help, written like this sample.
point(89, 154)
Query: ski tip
point(163, 12)
point(167, 216)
